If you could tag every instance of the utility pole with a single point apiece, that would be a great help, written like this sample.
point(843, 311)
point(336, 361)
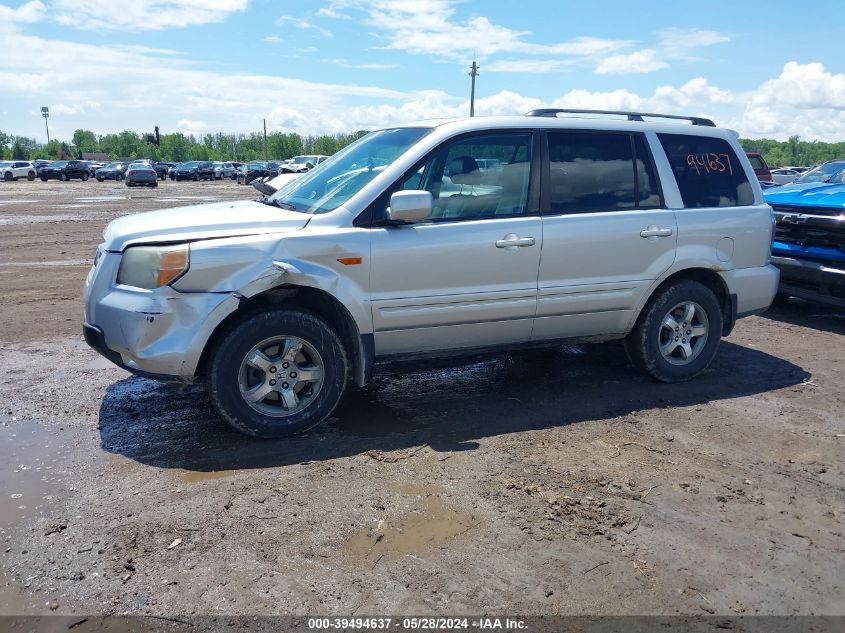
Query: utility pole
point(265, 139)
point(45, 112)
point(473, 72)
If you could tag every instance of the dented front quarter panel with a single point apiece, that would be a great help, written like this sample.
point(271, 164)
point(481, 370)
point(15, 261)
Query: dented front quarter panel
point(248, 266)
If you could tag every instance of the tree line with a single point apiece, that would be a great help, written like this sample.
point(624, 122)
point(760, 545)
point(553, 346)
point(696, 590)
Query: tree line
point(176, 147)
point(793, 152)
point(180, 147)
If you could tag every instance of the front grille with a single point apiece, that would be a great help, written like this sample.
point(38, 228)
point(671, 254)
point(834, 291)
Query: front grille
point(810, 227)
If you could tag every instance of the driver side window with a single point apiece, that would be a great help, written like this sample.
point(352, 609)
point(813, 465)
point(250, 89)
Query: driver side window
point(475, 178)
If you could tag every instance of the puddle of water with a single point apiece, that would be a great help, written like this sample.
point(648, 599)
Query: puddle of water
point(32, 460)
point(59, 262)
point(429, 526)
point(36, 219)
point(194, 476)
point(100, 198)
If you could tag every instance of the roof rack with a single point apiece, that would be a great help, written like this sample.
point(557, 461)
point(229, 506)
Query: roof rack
point(632, 116)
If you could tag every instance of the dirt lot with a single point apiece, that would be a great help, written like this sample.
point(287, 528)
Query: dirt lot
point(542, 482)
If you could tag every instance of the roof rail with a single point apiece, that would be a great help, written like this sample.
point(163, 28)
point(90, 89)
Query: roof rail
point(632, 116)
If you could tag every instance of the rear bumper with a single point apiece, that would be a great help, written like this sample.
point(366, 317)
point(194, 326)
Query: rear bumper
point(812, 280)
point(754, 288)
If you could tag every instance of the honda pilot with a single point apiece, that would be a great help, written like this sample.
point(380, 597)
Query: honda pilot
point(647, 228)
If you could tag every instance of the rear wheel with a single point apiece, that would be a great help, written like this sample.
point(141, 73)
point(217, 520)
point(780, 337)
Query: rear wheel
point(99, 179)
point(279, 373)
point(119, 177)
point(677, 334)
point(30, 176)
point(84, 177)
point(8, 176)
point(63, 177)
point(43, 178)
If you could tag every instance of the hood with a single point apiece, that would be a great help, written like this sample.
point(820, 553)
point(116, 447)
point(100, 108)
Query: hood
point(202, 221)
point(810, 194)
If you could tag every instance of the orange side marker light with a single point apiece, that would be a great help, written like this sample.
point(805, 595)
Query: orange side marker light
point(349, 261)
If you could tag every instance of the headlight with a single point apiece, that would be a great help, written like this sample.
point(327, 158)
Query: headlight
point(153, 266)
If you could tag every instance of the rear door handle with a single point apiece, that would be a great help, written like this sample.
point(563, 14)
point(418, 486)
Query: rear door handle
point(512, 239)
point(655, 231)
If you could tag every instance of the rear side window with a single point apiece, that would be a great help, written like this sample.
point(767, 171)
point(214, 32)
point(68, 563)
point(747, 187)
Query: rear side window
point(707, 171)
point(591, 172)
point(756, 163)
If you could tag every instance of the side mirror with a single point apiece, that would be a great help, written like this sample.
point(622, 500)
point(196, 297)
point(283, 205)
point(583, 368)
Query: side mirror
point(410, 206)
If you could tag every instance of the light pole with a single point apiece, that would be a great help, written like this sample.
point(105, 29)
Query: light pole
point(473, 72)
point(45, 112)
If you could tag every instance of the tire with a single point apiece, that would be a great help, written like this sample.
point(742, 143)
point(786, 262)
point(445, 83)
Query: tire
point(84, 177)
point(43, 178)
point(688, 355)
point(63, 177)
point(30, 176)
point(99, 179)
point(118, 177)
point(154, 184)
point(273, 331)
point(129, 183)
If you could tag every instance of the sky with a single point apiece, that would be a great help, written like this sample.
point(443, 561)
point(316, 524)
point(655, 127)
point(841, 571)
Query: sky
point(764, 68)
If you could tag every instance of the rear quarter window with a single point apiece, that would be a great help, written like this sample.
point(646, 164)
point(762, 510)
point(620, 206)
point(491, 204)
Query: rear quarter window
point(707, 171)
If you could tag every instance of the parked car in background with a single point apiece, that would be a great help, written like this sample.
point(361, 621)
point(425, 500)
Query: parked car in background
point(784, 176)
point(93, 166)
point(195, 170)
point(250, 171)
point(171, 172)
point(112, 171)
point(831, 171)
point(301, 163)
point(17, 169)
point(809, 241)
point(281, 303)
point(761, 169)
point(225, 170)
point(141, 174)
point(162, 169)
point(64, 170)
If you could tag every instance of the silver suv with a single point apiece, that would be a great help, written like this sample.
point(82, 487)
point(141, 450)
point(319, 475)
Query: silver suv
point(441, 238)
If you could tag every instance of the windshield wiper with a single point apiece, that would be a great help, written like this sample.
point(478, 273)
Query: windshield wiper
point(281, 204)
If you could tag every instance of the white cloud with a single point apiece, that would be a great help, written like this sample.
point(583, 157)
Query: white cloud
point(302, 24)
point(273, 39)
point(188, 126)
point(429, 27)
point(135, 15)
point(644, 61)
point(677, 40)
point(345, 63)
point(27, 13)
point(530, 65)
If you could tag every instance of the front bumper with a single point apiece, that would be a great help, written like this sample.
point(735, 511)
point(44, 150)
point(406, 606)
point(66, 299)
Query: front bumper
point(813, 280)
point(158, 333)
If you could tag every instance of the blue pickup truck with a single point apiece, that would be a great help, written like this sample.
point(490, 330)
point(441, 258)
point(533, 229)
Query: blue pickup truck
point(809, 242)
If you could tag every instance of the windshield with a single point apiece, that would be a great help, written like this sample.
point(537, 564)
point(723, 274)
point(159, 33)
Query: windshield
point(822, 173)
point(343, 175)
point(59, 163)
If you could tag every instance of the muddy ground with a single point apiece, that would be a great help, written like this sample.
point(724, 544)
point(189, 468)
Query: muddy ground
point(542, 482)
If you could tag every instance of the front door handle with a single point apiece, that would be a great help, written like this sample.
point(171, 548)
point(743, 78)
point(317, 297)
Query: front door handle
point(655, 231)
point(512, 239)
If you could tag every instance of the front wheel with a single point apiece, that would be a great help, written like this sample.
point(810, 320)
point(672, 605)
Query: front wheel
point(84, 177)
point(677, 334)
point(64, 177)
point(8, 176)
point(278, 373)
